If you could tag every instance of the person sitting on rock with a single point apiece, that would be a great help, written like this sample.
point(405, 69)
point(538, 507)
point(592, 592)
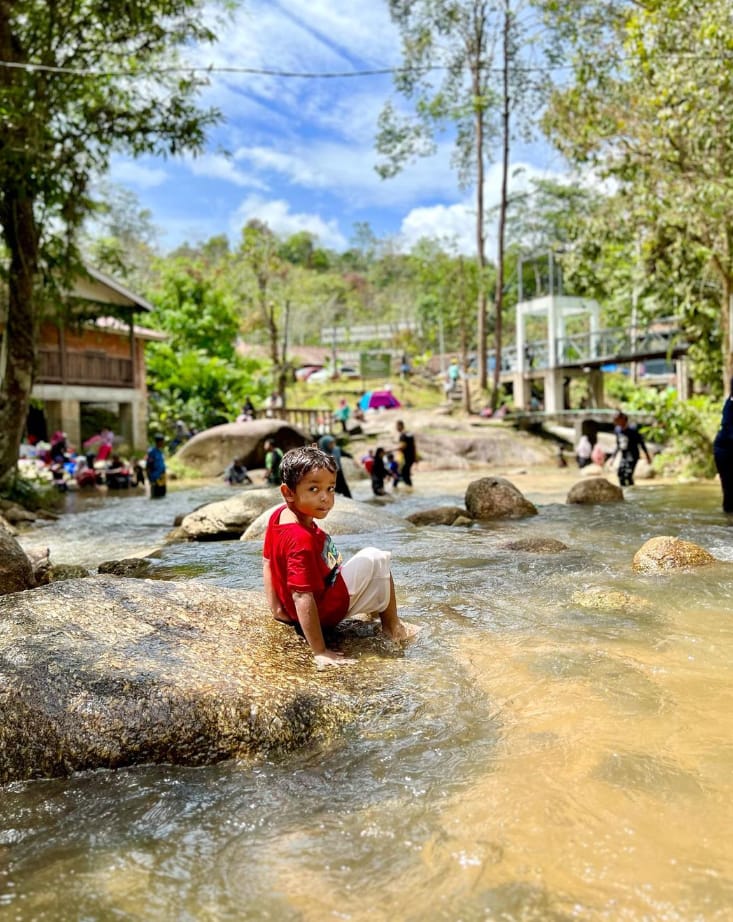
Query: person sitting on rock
point(237, 473)
point(307, 584)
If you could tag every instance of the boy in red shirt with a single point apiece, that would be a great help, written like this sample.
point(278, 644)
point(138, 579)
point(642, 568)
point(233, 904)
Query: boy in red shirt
point(306, 581)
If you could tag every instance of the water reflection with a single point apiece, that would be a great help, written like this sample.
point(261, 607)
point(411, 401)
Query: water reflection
point(538, 754)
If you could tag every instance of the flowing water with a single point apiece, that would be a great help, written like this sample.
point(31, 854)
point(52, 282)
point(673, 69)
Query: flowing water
point(530, 757)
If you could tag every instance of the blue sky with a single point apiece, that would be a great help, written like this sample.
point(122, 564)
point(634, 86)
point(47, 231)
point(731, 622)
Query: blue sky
point(301, 152)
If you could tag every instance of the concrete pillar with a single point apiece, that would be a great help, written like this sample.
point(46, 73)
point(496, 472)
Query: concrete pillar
point(522, 388)
point(552, 334)
point(683, 378)
point(133, 425)
point(554, 396)
point(595, 386)
point(70, 411)
point(521, 341)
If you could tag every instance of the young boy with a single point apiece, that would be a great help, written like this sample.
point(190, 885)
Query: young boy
point(306, 583)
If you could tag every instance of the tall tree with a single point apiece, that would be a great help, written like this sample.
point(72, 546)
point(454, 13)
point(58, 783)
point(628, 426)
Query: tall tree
point(477, 45)
point(262, 283)
point(652, 107)
point(455, 38)
point(77, 82)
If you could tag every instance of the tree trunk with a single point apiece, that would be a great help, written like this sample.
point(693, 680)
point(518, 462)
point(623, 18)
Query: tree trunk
point(21, 332)
point(481, 330)
point(726, 331)
point(501, 231)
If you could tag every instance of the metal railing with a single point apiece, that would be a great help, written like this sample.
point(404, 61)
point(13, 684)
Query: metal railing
point(309, 420)
point(659, 340)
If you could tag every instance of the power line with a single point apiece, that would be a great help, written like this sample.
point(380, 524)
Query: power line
point(253, 71)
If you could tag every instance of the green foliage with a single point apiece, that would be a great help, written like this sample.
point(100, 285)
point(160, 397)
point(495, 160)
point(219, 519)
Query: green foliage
point(197, 375)
point(685, 428)
point(31, 493)
point(194, 310)
point(651, 107)
point(88, 79)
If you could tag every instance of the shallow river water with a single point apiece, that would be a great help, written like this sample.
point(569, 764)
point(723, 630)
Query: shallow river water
point(528, 758)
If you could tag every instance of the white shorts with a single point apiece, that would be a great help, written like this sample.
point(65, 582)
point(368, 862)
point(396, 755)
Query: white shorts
point(366, 575)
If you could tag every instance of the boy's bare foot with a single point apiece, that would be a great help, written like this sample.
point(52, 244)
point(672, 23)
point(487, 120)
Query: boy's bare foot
point(403, 632)
point(332, 658)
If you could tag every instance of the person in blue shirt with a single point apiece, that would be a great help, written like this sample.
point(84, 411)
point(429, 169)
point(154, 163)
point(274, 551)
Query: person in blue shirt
point(723, 451)
point(155, 467)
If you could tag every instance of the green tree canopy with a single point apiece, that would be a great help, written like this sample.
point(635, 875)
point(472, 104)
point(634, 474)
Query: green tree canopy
point(77, 82)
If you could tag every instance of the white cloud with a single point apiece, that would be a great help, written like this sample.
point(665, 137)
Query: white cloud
point(217, 166)
point(455, 225)
point(135, 173)
point(349, 171)
point(278, 217)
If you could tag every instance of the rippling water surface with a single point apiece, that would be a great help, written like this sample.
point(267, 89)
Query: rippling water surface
point(537, 754)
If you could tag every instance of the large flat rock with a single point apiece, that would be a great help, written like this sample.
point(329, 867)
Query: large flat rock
point(107, 672)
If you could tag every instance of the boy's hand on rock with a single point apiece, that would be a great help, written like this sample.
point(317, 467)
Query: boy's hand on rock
point(333, 658)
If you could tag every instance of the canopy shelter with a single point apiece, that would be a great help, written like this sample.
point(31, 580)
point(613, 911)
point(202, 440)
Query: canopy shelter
point(378, 400)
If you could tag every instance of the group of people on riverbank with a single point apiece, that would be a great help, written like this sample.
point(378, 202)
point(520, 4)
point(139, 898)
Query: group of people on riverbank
point(394, 465)
point(97, 465)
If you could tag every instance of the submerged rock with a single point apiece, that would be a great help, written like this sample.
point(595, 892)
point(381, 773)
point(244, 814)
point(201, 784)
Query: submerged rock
point(497, 498)
point(132, 567)
point(62, 571)
point(109, 672)
point(444, 515)
point(536, 545)
point(668, 553)
point(601, 598)
point(595, 491)
point(16, 570)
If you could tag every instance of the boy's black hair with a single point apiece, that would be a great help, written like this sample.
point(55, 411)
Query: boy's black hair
point(298, 462)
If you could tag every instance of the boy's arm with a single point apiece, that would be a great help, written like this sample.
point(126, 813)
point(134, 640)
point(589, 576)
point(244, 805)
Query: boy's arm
point(272, 600)
point(307, 610)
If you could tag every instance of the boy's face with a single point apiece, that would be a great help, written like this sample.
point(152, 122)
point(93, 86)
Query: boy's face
point(314, 495)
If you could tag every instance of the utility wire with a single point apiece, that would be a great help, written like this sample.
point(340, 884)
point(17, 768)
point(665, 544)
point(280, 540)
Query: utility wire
point(255, 71)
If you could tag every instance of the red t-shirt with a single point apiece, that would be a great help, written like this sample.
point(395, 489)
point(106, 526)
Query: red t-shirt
point(305, 560)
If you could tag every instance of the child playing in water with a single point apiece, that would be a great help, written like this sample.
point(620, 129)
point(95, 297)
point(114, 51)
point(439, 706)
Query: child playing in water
point(306, 583)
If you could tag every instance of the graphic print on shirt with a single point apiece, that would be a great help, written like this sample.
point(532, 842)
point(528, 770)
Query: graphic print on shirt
point(333, 560)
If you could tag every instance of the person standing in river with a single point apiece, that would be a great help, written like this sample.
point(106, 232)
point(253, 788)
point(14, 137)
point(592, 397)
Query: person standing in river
point(406, 447)
point(723, 451)
point(629, 444)
point(155, 467)
point(330, 446)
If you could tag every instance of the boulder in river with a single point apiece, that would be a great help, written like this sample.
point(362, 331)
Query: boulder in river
point(497, 498)
point(348, 517)
point(16, 570)
point(665, 553)
point(594, 491)
point(228, 518)
point(107, 672)
point(212, 450)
